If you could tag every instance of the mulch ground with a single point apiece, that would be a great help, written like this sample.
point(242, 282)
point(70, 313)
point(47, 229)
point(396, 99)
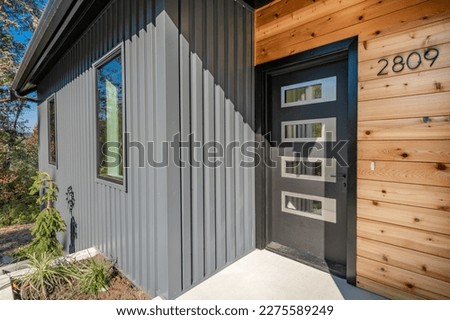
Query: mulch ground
point(11, 238)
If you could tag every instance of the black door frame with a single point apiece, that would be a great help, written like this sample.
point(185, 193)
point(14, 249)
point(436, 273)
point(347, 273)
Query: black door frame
point(262, 84)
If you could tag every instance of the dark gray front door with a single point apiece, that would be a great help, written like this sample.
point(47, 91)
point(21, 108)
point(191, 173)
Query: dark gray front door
point(307, 119)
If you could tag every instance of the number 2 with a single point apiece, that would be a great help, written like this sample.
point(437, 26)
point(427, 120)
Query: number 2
point(382, 72)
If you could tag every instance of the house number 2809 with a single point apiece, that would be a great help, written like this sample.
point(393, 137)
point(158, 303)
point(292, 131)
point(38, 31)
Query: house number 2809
point(412, 61)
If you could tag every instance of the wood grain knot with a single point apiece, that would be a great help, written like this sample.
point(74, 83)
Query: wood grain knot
point(424, 268)
point(360, 18)
point(382, 269)
point(438, 85)
point(383, 191)
point(441, 166)
point(375, 203)
point(416, 220)
point(313, 34)
point(405, 155)
point(367, 132)
point(409, 285)
point(385, 258)
point(377, 32)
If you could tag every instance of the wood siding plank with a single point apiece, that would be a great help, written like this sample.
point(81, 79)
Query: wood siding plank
point(423, 241)
point(433, 174)
point(432, 81)
point(404, 280)
point(404, 215)
point(405, 151)
point(425, 264)
point(384, 290)
point(405, 129)
point(427, 105)
point(414, 195)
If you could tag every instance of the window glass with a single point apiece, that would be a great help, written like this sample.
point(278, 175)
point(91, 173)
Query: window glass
point(299, 167)
point(303, 205)
point(310, 92)
point(303, 131)
point(110, 120)
point(52, 152)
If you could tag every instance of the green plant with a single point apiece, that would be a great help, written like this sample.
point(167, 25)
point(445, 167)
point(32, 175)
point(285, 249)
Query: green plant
point(49, 221)
point(95, 276)
point(45, 276)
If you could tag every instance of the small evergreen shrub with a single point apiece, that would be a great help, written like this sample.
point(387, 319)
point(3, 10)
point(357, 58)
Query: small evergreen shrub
point(49, 221)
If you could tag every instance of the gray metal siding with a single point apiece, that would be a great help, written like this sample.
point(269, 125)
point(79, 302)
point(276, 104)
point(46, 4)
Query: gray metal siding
point(188, 69)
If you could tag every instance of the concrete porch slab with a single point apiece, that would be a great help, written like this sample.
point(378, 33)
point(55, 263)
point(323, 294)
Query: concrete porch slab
point(264, 275)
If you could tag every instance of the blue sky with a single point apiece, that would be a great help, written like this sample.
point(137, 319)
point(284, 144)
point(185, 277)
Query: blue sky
point(29, 115)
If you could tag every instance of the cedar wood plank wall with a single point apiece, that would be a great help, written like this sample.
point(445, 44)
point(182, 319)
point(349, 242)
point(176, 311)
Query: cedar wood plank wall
point(403, 226)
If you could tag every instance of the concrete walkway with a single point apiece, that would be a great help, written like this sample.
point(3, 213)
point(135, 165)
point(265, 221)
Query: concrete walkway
point(264, 275)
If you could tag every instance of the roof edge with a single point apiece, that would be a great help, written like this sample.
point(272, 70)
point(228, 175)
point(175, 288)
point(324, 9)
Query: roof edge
point(54, 13)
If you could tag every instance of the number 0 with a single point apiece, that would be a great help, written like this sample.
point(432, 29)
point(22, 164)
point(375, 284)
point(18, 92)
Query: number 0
point(408, 60)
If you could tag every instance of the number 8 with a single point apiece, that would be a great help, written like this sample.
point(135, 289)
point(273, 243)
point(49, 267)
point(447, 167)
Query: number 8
point(398, 61)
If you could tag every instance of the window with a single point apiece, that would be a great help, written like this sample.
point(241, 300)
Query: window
point(316, 169)
point(52, 143)
point(316, 91)
point(309, 130)
point(109, 85)
point(309, 206)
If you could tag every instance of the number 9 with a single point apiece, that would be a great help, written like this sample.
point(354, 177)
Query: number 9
point(431, 54)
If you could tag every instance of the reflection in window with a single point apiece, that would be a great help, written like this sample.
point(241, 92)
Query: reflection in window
point(110, 119)
point(309, 92)
point(303, 93)
point(302, 131)
point(52, 146)
point(303, 205)
point(299, 167)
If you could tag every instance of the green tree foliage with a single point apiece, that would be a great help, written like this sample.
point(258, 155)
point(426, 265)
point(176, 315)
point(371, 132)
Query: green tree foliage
point(18, 151)
point(16, 204)
point(17, 17)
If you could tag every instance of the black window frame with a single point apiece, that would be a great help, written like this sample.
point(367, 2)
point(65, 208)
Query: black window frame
point(49, 101)
point(118, 183)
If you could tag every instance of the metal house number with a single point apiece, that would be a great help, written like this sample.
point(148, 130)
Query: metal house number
point(412, 61)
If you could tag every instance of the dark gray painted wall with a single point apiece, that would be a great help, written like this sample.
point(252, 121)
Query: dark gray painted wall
point(188, 69)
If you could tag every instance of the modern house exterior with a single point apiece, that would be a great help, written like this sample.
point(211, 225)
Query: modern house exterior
point(194, 132)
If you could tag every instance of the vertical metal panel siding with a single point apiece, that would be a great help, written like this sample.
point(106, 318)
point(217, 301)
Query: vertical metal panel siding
point(216, 74)
point(211, 221)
